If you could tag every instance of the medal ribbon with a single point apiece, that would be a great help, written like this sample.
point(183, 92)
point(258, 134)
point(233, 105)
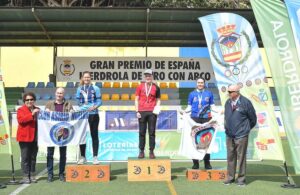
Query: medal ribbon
point(148, 90)
point(85, 93)
point(200, 100)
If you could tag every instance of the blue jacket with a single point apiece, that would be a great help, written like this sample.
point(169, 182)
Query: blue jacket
point(241, 120)
point(206, 97)
point(93, 97)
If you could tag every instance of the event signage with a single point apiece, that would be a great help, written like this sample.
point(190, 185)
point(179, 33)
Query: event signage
point(236, 59)
point(276, 33)
point(132, 68)
point(5, 141)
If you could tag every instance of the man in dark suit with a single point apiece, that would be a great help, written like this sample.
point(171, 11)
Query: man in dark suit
point(240, 118)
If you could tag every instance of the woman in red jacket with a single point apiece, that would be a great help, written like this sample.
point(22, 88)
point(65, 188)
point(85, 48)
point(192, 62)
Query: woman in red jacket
point(27, 136)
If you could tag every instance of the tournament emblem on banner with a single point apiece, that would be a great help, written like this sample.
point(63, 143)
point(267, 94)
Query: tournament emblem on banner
point(67, 68)
point(62, 128)
point(202, 136)
point(230, 44)
point(62, 133)
point(196, 139)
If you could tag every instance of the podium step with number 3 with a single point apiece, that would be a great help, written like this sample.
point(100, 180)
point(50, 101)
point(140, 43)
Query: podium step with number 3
point(206, 175)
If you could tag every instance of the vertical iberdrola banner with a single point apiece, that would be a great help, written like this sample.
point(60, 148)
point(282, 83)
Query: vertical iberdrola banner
point(5, 141)
point(236, 59)
point(276, 33)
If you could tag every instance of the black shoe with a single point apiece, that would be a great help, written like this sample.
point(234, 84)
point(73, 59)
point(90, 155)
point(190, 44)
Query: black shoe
point(207, 165)
point(152, 155)
point(50, 178)
point(2, 186)
point(62, 178)
point(195, 166)
point(228, 182)
point(141, 154)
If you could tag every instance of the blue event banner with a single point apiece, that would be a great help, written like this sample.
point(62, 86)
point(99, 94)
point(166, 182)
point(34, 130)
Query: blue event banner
point(127, 120)
point(114, 146)
point(120, 145)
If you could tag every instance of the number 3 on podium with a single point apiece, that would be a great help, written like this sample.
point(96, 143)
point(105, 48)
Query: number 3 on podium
point(208, 175)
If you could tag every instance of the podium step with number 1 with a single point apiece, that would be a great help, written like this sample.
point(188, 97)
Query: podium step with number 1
point(158, 169)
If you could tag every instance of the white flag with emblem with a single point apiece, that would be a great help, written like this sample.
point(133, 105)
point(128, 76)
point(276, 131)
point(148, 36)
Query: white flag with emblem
point(62, 128)
point(196, 139)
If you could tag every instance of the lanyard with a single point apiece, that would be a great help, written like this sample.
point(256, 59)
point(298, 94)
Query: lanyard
point(148, 91)
point(85, 93)
point(200, 99)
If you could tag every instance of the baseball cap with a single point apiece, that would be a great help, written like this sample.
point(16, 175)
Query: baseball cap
point(148, 71)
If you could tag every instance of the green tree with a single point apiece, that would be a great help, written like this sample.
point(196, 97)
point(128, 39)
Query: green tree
point(199, 3)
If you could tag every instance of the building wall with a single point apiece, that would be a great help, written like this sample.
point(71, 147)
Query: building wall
point(23, 64)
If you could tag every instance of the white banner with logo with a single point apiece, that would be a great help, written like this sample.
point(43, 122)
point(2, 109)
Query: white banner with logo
point(196, 139)
point(132, 68)
point(62, 128)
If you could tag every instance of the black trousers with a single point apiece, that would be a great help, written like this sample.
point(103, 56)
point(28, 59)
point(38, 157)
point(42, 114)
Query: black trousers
point(62, 159)
point(94, 123)
point(201, 121)
point(148, 119)
point(29, 152)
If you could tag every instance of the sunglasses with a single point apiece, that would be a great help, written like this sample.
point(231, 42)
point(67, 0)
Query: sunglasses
point(230, 92)
point(27, 100)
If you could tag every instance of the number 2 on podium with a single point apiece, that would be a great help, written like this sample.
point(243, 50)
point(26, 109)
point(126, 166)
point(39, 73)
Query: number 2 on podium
point(87, 174)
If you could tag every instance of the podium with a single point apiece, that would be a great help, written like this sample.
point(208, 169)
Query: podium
point(87, 173)
point(206, 175)
point(158, 169)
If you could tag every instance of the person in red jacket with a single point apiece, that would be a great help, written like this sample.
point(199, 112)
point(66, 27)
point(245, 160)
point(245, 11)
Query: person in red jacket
point(147, 103)
point(27, 137)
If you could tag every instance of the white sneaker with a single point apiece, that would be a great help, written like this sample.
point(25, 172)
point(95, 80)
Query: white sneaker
point(95, 160)
point(81, 160)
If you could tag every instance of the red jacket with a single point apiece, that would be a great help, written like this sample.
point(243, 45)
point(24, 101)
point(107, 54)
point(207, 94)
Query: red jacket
point(27, 125)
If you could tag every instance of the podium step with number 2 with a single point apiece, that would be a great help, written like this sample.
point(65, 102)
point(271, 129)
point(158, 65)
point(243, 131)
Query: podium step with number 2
point(87, 173)
point(158, 169)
